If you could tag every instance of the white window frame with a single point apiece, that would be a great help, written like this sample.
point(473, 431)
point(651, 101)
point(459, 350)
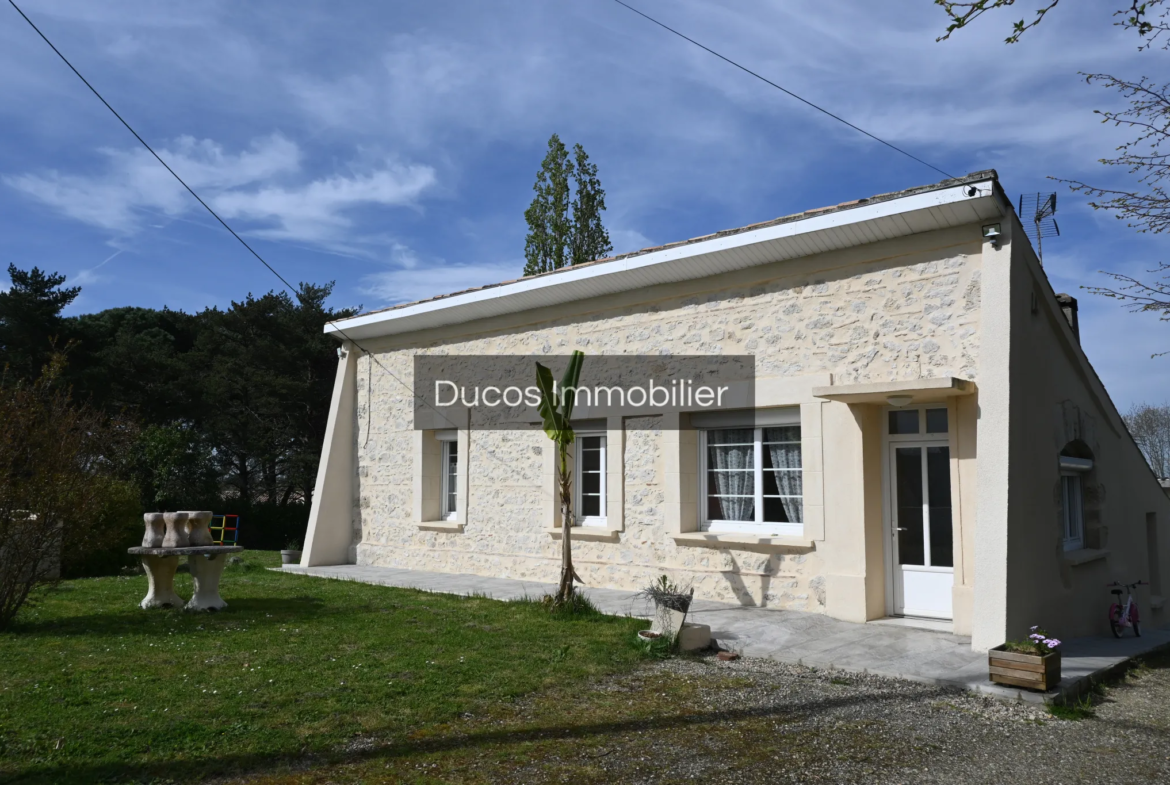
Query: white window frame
point(1072, 516)
point(759, 526)
point(445, 513)
point(602, 520)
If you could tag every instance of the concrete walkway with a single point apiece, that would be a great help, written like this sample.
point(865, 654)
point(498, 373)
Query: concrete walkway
point(810, 639)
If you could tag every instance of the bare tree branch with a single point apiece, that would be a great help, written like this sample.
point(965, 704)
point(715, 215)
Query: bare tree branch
point(1136, 16)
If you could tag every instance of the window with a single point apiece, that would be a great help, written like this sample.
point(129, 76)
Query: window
point(753, 480)
point(918, 422)
point(591, 480)
point(450, 486)
point(1072, 500)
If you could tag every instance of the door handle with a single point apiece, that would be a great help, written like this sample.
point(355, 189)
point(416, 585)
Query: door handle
point(901, 529)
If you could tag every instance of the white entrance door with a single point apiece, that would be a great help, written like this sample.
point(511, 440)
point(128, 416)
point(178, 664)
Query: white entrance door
point(922, 547)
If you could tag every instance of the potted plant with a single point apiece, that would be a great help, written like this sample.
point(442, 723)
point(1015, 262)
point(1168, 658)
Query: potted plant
point(671, 605)
point(1033, 663)
point(291, 554)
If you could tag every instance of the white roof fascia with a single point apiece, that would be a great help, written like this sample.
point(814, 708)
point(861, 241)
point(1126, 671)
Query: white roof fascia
point(655, 267)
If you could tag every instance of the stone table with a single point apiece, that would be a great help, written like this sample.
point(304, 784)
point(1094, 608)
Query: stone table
point(207, 563)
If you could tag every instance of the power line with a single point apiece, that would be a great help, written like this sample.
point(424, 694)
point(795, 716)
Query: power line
point(150, 149)
point(782, 89)
point(206, 206)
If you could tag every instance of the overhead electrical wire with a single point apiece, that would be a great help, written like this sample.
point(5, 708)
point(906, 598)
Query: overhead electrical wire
point(206, 206)
point(150, 149)
point(292, 288)
point(784, 90)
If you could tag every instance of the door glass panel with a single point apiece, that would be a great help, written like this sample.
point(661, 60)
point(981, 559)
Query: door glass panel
point(938, 482)
point(936, 420)
point(903, 421)
point(908, 487)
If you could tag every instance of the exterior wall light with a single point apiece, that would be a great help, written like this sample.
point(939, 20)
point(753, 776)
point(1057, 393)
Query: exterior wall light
point(899, 400)
point(991, 232)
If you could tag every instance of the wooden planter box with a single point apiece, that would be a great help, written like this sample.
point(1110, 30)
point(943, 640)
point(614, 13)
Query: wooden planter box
point(1033, 671)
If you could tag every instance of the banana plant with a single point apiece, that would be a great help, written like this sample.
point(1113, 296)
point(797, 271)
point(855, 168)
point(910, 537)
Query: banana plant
point(556, 411)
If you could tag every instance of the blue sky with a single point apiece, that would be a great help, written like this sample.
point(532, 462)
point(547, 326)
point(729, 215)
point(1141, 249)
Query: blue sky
point(391, 147)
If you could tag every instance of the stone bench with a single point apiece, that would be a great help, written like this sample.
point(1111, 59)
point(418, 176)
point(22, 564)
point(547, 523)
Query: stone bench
point(170, 535)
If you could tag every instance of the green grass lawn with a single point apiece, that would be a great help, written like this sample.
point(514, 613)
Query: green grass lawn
point(295, 669)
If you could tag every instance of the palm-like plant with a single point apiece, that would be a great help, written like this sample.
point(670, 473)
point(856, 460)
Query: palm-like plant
point(556, 409)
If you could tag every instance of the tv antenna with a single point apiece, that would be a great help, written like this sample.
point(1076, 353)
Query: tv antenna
point(1037, 213)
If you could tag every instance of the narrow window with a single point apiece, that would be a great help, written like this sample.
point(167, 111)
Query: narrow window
point(450, 471)
point(1073, 499)
point(591, 480)
point(753, 480)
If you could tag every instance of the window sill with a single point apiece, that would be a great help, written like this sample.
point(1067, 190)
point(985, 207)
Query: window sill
point(726, 540)
point(450, 527)
point(1084, 556)
point(594, 533)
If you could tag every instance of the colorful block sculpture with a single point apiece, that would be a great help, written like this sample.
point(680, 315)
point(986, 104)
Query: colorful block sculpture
point(225, 529)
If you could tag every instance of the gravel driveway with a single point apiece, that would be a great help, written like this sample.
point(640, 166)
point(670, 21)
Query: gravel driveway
point(760, 721)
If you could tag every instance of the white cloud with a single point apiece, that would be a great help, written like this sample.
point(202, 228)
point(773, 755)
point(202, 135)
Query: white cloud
point(407, 284)
point(316, 212)
point(421, 88)
point(134, 186)
point(133, 181)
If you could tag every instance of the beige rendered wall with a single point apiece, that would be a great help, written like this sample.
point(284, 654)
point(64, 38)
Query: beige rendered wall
point(329, 538)
point(892, 310)
point(1056, 398)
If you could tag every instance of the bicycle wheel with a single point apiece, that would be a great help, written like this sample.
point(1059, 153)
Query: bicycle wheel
point(1133, 617)
point(1115, 620)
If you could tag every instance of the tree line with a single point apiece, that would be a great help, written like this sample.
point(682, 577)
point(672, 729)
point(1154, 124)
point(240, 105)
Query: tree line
point(228, 406)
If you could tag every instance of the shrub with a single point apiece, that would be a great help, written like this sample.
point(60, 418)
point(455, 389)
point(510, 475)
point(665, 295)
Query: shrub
point(59, 484)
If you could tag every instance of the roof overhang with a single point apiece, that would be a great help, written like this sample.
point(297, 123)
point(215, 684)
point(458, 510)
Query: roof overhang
point(969, 201)
point(918, 390)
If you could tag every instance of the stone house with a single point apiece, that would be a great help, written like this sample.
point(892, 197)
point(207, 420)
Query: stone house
point(927, 437)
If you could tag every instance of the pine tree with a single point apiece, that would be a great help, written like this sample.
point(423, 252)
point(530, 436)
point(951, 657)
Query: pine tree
point(30, 319)
point(564, 226)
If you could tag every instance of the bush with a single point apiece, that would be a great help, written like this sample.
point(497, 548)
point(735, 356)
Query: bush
point(59, 484)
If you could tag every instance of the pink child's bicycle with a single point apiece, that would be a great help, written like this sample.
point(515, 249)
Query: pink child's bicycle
point(1124, 615)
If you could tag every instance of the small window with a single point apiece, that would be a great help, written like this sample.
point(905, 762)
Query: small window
point(753, 479)
point(450, 485)
point(1072, 498)
point(903, 421)
point(936, 420)
point(591, 480)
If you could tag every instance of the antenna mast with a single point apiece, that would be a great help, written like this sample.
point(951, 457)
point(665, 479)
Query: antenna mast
point(1039, 210)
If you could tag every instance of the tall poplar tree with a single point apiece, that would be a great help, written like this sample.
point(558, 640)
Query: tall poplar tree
point(564, 219)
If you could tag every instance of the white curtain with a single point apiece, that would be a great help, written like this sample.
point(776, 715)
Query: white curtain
point(786, 455)
point(731, 453)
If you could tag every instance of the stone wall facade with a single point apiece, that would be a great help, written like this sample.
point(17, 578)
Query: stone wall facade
point(887, 311)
